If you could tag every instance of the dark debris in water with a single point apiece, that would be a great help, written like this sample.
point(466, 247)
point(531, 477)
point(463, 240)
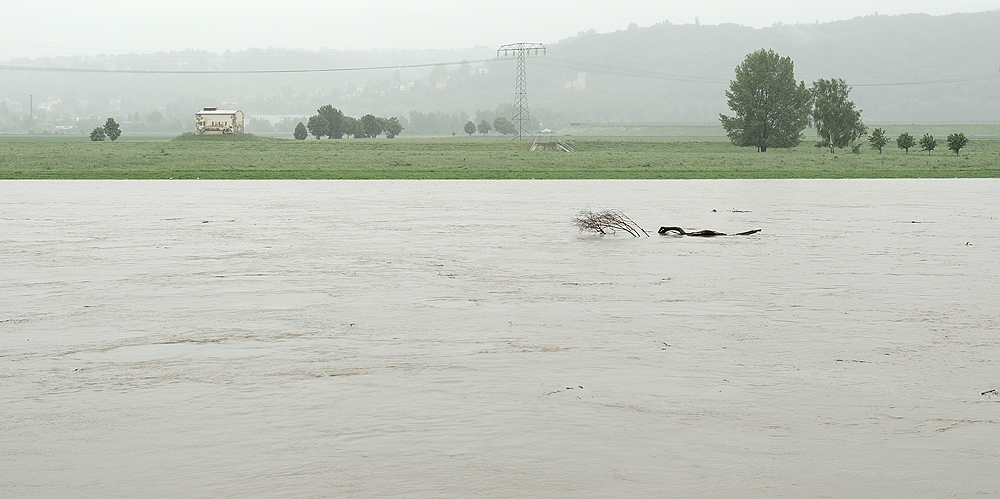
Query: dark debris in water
point(567, 388)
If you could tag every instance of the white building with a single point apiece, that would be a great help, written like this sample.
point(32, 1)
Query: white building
point(212, 121)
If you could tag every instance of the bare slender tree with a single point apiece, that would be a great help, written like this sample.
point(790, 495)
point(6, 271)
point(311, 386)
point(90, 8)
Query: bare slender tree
point(607, 222)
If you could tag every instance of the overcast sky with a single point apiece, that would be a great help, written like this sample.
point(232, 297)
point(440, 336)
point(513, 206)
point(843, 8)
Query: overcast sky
point(38, 28)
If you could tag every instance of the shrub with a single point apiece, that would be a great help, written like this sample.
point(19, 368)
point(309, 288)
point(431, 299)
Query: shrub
point(878, 140)
point(300, 132)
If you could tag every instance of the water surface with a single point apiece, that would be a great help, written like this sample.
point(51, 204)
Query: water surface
point(462, 339)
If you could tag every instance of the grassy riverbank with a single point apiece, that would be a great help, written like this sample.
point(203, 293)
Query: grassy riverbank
point(472, 159)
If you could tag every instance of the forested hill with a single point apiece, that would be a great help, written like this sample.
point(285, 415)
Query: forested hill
point(897, 55)
point(908, 68)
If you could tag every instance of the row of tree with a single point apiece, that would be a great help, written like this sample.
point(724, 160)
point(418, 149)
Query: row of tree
point(502, 125)
point(772, 110)
point(333, 123)
point(110, 130)
point(878, 140)
point(439, 123)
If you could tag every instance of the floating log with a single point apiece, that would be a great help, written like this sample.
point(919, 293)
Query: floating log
point(701, 233)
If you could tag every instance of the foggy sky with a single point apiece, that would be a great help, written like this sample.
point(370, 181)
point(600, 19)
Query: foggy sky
point(48, 28)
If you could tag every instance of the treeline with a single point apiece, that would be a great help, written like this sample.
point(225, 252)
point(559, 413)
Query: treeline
point(443, 123)
point(437, 123)
point(484, 121)
point(878, 140)
point(765, 87)
point(155, 121)
point(333, 123)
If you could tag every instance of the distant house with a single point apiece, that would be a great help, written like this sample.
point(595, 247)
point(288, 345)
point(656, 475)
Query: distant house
point(212, 121)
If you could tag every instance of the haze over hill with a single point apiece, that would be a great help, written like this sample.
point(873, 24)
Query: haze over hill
point(905, 68)
point(49, 27)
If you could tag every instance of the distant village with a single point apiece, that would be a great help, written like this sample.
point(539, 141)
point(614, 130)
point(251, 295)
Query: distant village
point(59, 115)
point(266, 113)
point(53, 115)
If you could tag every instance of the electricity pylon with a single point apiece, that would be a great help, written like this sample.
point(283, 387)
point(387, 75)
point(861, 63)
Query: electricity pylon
point(522, 50)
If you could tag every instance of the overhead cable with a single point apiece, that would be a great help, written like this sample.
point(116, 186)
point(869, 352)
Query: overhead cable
point(234, 71)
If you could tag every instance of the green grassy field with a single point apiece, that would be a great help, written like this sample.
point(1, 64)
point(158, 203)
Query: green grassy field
point(75, 137)
point(261, 158)
point(700, 133)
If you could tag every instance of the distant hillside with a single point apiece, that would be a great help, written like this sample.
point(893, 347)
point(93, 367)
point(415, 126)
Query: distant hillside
point(904, 69)
point(873, 50)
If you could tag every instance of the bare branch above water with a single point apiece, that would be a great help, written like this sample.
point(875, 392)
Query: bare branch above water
point(607, 222)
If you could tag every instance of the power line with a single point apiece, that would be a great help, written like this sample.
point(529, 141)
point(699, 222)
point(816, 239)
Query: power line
point(251, 52)
point(550, 61)
point(575, 64)
point(235, 71)
point(640, 58)
point(928, 82)
point(521, 120)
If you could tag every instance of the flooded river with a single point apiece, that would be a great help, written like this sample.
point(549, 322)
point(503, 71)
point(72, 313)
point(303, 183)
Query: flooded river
point(458, 339)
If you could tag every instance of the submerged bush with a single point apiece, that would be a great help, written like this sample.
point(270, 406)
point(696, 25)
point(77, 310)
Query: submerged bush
point(607, 222)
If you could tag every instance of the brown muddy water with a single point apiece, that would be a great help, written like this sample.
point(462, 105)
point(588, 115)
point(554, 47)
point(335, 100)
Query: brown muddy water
point(461, 339)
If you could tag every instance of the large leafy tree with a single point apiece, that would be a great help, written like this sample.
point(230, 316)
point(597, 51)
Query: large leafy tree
point(771, 109)
point(484, 127)
point(470, 127)
point(112, 130)
point(503, 126)
point(878, 140)
point(352, 127)
point(393, 127)
point(318, 126)
point(837, 122)
point(371, 125)
point(956, 141)
point(97, 134)
point(335, 121)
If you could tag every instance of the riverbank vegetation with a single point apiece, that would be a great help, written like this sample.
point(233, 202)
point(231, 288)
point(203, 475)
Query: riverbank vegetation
point(464, 158)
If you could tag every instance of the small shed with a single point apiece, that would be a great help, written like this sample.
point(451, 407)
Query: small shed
point(213, 121)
